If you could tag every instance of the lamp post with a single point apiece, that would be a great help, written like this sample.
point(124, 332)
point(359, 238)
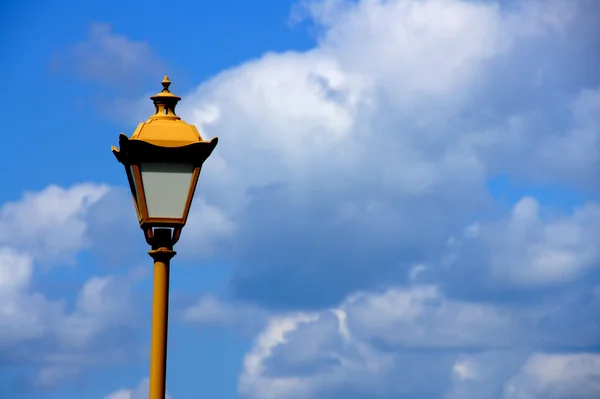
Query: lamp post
point(162, 159)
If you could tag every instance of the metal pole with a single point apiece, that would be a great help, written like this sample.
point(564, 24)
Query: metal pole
point(160, 315)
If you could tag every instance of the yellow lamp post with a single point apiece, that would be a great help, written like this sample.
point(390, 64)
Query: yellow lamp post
point(162, 159)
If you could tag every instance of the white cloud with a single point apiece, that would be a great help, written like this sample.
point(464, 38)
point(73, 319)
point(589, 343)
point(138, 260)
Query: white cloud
point(372, 149)
point(210, 311)
point(395, 343)
point(208, 227)
point(101, 302)
point(62, 342)
point(423, 317)
point(554, 376)
point(104, 306)
point(50, 224)
point(113, 59)
point(575, 155)
point(384, 124)
point(420, 51)
point(482, 375)
point(252, 382)
point(284, 116)
point(319, 355)
point(464, 370)
point(15, 272)
point(528, 249)
point(330, 348)
point(140, 392)
point(24, 316)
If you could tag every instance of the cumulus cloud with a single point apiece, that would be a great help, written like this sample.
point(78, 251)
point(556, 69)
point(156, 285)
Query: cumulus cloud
point(21, 313)
point(58, 339)
point(353, 171)
point(319, 355)
point(392, 344)
point(351, 190)
point(60, 342)
point(528, 249)
point(376, 146)
point(50, 224)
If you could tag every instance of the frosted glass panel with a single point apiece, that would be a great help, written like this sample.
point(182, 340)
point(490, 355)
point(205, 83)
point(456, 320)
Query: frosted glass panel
point(166, 186)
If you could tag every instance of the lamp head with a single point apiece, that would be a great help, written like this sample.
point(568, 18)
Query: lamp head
point(162, 160)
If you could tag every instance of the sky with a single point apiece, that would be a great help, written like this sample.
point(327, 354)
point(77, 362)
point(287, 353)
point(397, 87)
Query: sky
point(404, 201)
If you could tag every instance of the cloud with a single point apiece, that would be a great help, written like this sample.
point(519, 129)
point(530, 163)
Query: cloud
point(56, 338)
point(112, 221)
point(556, 376)
point(529, 249)
point(21, 313)
point(356, 177)
point(480, 375)
point(397, 314)
point(50, 224)
point(113, 59)
point(320, 355)
point(101, 301)
point(211, 311)
point(377, 145)
point(207, 232)
point(393, 344)
point(351, 191)
point(140, 392)
point(572, 156)
point(118, 67)
point(58, 343)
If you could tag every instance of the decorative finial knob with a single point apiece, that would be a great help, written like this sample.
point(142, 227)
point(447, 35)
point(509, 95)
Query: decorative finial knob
point(165, 102)
point(165, 84)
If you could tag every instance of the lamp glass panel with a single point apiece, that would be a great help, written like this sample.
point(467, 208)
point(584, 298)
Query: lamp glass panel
point(166, 188)
point(133, 184)
point(134, 190)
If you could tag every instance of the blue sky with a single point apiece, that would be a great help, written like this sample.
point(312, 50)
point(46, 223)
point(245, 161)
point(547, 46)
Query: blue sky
point(403, 203)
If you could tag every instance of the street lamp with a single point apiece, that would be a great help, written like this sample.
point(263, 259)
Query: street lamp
point(162, 159)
